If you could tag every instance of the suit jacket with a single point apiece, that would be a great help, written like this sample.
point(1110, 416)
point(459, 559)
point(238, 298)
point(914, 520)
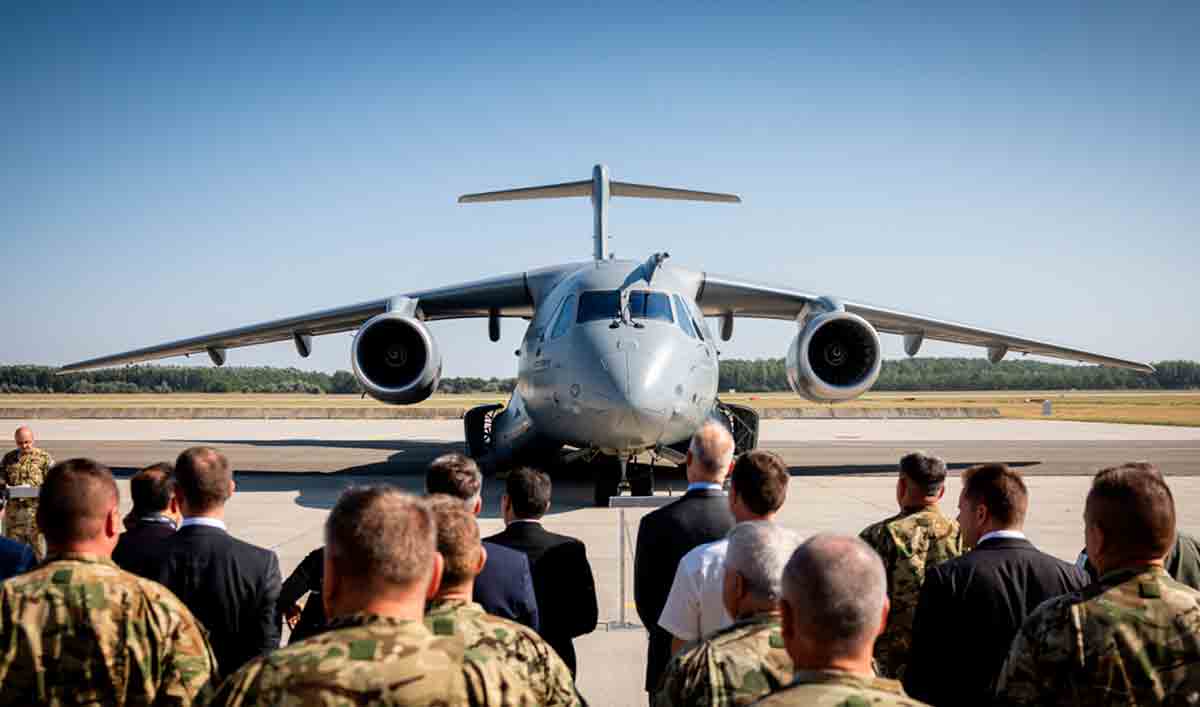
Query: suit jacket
point(970, 610)
point(231, 586)
point(15, 558)
point(141, 549)
point(562, 583)
point(664, 537)
point(505, 587)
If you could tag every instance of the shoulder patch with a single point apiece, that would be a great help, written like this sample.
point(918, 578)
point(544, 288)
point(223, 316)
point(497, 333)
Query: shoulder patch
point(1149, 590)
point(363, 649)
point(776, 640)
point(62, 576)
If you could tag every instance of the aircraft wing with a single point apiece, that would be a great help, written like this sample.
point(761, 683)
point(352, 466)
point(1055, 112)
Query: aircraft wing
point(721, 295)
point(508, 295)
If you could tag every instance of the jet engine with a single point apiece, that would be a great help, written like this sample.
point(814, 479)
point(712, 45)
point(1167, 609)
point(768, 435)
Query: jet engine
point(396, 359)
point(835, 357)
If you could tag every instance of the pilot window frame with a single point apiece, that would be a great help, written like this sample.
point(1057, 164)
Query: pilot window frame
point(684, 318)
point(562, 321)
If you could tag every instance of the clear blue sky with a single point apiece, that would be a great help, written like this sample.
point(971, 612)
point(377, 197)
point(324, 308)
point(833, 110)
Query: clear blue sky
point(169, 171)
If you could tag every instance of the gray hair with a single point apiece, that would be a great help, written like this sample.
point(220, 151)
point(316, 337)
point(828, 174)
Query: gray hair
point(758, 551)
point(836, 587)
point(712, 447)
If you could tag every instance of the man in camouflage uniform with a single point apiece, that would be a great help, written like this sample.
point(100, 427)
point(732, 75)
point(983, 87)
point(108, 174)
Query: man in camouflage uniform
point(1131, 638)
point(381, 564)
point(79, 630)
point(834, 605)
point(746, 660)
point(25, 466)
point(913, 540)
point(488, 638)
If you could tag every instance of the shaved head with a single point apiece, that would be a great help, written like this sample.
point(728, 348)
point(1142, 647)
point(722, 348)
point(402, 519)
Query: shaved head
point(24, 438)
point(836, 588)
point(711, 451)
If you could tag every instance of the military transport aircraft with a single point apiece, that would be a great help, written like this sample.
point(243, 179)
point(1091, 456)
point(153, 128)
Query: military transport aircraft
point(618, 358)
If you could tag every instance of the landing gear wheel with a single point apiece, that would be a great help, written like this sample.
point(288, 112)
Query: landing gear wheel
point(477, 424)
point(743, 425)
point(642, 484)
point(608, 479)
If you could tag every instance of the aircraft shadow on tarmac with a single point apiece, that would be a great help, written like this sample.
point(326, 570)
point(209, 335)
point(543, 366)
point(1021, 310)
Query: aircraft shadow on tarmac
point(888, 469)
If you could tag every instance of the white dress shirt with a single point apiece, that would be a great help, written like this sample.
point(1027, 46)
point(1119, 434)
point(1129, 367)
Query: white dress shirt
point(695, 607)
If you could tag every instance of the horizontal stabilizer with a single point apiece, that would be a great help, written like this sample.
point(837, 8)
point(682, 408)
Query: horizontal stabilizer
point(550, 191)
point(600, 188)
point(649, 191)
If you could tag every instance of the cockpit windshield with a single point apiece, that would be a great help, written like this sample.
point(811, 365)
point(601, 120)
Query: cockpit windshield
point(606, 304)
point(650, 305)
point(599, 305)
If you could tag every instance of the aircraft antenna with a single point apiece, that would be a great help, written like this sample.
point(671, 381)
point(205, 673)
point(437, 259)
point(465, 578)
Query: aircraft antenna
point(600, 188)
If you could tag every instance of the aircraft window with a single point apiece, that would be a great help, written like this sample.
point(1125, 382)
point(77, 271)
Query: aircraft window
point(685, 320)
point(599, 305)
point(563, 322)
point(650, 305)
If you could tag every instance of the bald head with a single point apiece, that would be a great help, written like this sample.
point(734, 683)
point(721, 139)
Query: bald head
point(835, 590)
point(711, 453)
point(24, 438)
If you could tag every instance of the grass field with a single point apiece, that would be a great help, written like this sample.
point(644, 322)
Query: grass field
point(1156, 407)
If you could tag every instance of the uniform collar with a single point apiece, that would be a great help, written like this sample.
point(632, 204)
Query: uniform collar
point(87, 558)
point(368, 619)
point(439, 604)
point(762, 617)
point(1120, 576)
point(840, 677)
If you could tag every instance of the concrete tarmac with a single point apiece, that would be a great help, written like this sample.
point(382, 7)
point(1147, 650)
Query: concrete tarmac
point(291, 471)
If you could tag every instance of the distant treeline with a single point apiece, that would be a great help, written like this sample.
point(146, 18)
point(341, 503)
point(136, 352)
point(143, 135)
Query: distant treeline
point(758, 376)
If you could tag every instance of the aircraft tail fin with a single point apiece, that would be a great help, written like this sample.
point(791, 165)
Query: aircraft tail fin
point(600, 189)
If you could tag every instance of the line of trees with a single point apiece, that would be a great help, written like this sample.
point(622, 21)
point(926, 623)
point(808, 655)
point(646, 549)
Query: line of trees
point(757, 376)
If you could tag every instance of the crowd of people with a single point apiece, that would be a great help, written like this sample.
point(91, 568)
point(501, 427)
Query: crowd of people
point(406, 604)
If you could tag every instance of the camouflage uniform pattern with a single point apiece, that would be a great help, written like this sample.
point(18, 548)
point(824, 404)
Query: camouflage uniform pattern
point(20, 522)
point(1132, 638)
point(734, 666)
point(368, 659)
point(79, 630)
point(909, 543)
point(491, 639)
point(832, 688)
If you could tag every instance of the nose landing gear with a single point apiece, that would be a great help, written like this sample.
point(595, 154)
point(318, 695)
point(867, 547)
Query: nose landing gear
point(618, 475)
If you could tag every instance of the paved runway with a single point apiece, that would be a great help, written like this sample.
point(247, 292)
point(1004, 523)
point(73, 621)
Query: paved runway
point(290, 472)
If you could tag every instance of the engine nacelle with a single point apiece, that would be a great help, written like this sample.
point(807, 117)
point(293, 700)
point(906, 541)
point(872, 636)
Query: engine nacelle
point(836, 356)
point(396, 359)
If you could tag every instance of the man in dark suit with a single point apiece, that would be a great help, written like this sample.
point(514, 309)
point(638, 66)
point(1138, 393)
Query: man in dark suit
point(151, 523)
point(984, 596)
point(667, 534)
point(562, 578)
point(230, 585)
point(505, 586)
point(15, 557)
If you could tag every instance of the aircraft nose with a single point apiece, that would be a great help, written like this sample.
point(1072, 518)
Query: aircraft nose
point(642, 410)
